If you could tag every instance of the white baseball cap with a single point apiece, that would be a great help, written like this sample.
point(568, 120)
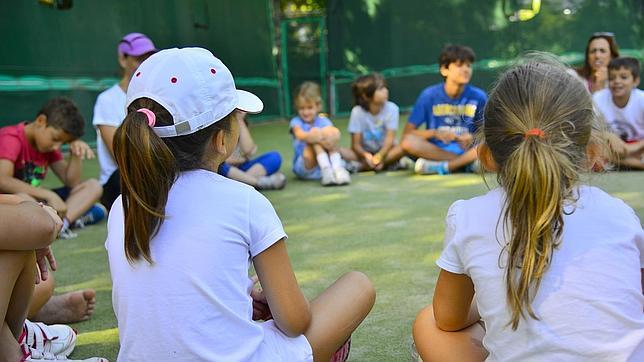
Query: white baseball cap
point(194, 86)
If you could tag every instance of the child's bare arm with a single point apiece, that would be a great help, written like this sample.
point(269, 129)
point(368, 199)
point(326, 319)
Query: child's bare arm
point(388, 144)
point(12, 185)
point(288, 306)
point(356, 146)
point(425, 133)
point(107, 135)
point(452, 303)
point(311, 137)
point(247, 146)
point(70, 172)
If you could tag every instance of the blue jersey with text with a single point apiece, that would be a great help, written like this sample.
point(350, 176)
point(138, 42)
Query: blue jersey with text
point(436, 110)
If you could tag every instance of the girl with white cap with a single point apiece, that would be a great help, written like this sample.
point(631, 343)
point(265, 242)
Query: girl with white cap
point(181, 237)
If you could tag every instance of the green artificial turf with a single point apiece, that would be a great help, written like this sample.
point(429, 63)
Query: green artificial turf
point(389, 226)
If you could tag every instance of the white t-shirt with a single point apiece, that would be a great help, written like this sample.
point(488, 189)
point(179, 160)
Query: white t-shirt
point(374, 127)
point(627, 122)
point(590, 300)
point(193, 303)
point(109, 110)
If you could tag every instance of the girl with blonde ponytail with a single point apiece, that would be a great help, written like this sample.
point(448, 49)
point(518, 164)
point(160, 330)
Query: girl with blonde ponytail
point(541, 268)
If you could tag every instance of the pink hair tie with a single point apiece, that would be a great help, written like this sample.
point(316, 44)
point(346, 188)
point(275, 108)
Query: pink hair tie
point(152, 118)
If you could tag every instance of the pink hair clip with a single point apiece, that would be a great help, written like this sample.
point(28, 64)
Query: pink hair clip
point(152, 118)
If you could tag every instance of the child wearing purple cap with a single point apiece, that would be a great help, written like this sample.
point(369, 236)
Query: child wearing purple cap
point(109, 110)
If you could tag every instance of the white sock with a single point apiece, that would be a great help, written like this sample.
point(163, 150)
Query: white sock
point(336, 160)
point(65, 224)
point(323, 160)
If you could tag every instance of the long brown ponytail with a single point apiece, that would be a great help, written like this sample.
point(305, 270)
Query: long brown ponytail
point(149, 165)
point(538, 123)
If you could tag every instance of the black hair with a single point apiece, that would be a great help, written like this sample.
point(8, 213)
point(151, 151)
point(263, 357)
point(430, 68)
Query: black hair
point(629, 63)
point(452, 53)
point(62, 113)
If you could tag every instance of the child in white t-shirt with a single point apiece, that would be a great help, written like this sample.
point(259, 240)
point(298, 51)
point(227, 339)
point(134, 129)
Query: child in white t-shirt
point(181, 238)
point(109, 111)
point(622, 105)
point(373, 124)
point(556, 266)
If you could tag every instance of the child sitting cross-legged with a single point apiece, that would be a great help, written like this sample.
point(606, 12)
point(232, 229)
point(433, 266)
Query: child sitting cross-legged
point(181, 237)
point(556, 264)
point(28, 149)
point(373, 125)
point(262, 171)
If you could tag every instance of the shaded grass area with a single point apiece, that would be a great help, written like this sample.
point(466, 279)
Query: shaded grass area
point(388, 225)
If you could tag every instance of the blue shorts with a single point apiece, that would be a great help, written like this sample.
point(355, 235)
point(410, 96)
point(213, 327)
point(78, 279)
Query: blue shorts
point(302, 172)
point(271, 161)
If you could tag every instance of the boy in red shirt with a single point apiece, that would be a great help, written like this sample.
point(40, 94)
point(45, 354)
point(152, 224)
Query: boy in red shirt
point(28, 149)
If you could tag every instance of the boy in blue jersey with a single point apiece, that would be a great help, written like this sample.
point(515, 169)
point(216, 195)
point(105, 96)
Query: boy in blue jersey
point(451, 112)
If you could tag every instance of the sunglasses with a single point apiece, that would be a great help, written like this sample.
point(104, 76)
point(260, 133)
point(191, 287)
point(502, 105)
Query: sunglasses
point(607, 34)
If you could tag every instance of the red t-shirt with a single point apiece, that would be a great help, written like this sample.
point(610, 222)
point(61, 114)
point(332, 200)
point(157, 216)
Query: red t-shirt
point(29, 165)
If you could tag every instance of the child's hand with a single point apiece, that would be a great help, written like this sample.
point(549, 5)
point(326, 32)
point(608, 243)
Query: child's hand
point(377, 159)
point(261, 310)
point(465, 140)
point(445, 135)
point(600, 76)
point(368, 158)
point(81, 150)
point(57, 203)
point(44, 256)
point(58, 222)
point(315, 135)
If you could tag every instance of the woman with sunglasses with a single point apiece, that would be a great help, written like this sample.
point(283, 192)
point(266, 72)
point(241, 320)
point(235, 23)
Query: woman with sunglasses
point(600, 50)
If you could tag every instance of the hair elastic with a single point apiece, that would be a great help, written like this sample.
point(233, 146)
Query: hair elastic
point(152, 118)
point(534, 132)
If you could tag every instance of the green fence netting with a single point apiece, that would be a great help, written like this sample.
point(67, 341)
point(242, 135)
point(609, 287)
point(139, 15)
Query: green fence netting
point(402, 38)
point(46, 52)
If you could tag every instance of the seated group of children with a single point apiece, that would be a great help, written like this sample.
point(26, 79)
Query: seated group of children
point(450, 111)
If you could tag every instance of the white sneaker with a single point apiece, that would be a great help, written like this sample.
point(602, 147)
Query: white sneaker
point(276, 181)
point(342, 176)
point(429, 167)
point(328, 177)
point(57, 340)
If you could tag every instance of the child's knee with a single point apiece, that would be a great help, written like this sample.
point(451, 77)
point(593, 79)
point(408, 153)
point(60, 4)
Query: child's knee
point(272, 162)
point(408, 142)
point(331, 133)
point(361, 282)
point(92, 187)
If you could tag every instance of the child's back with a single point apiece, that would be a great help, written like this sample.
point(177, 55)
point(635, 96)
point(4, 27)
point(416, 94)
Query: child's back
point(550, 267)
point(201, 291)
point(590, 299)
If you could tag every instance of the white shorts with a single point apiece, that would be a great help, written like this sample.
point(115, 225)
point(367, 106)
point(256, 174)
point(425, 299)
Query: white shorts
point(277, 346)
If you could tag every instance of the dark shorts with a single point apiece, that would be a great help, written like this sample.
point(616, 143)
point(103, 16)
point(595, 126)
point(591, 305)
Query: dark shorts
point(63, 192)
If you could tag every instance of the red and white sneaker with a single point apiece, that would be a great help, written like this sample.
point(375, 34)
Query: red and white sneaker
point(56, 340)
point(32, 355)
point(342, 354)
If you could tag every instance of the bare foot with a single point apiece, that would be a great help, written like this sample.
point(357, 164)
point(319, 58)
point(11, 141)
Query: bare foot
point(66, 308)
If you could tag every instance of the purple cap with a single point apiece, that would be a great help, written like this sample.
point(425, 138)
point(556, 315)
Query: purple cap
point(136, 44)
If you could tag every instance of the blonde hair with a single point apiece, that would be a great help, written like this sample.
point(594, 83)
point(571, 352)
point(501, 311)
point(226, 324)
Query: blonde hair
point(539, 121)
point(308, 92)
